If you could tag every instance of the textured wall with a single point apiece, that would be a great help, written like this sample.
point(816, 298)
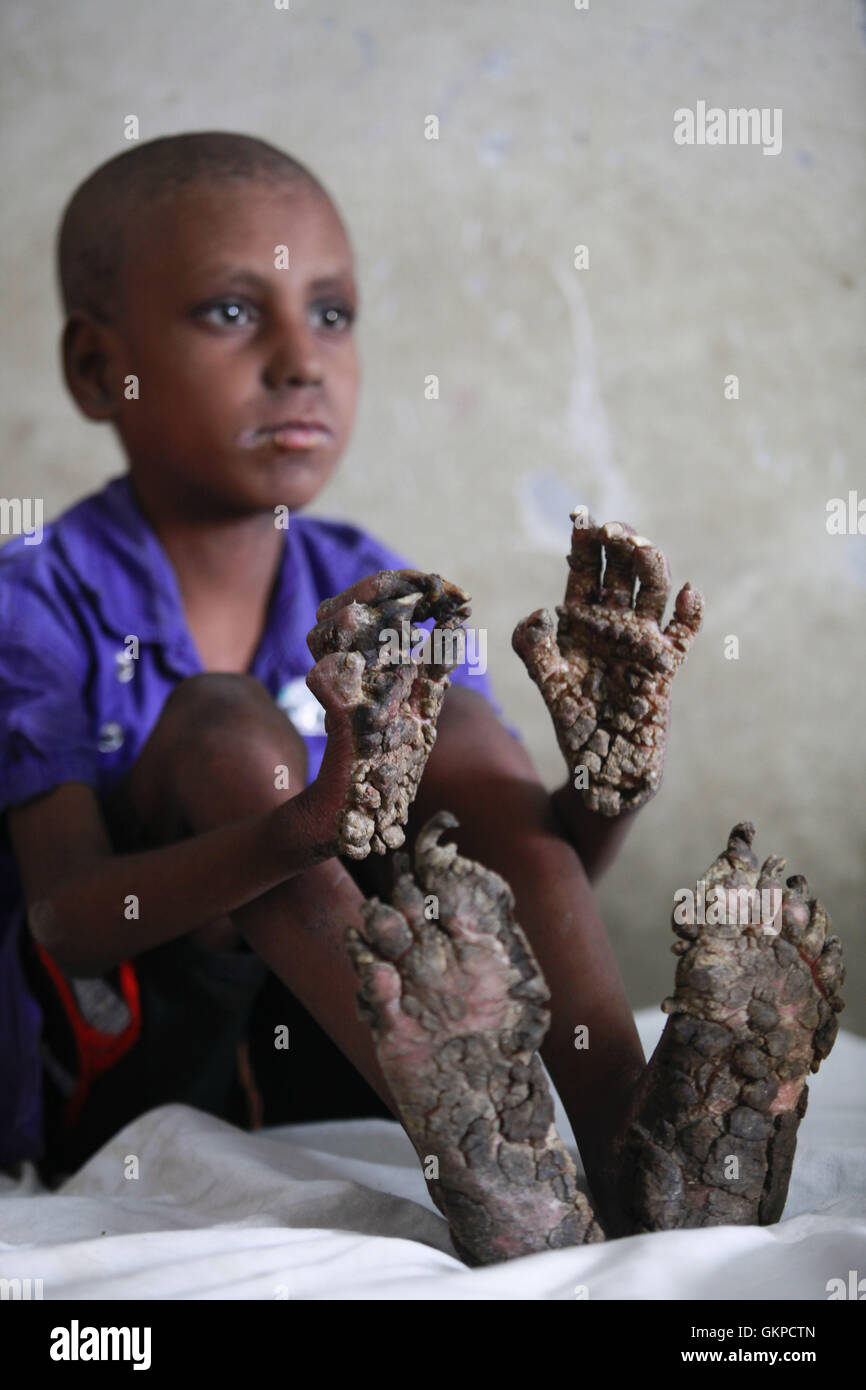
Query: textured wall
point(558, 386)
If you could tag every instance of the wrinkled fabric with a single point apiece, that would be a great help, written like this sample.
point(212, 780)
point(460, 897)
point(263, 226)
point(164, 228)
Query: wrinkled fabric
point(341, 1211)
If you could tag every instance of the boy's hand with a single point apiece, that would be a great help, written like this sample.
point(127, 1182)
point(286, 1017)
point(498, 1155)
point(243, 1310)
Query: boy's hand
point(380, 716)
point(606, 672)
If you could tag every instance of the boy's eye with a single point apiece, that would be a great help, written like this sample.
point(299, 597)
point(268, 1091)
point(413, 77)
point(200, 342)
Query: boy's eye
point(238, 313)
point(335, 316)
point(226, 311)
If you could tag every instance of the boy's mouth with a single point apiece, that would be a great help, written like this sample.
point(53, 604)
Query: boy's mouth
point(289, 434)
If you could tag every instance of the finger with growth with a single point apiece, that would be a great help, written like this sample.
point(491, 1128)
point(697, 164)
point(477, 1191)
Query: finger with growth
point(685, 625)
point(654, 574)
point(619, 572)
point(584, 561)
point(534, 640)
point(372, 589)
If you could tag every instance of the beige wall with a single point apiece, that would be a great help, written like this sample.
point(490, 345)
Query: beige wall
point(558, 386)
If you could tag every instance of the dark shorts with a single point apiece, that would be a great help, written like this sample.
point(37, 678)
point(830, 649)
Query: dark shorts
point(196, 1007)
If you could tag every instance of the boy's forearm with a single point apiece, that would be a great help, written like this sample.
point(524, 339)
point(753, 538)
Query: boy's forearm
point(125, 904)
point(597, 838)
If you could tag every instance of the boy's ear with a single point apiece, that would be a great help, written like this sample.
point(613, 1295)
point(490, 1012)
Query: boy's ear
point(90, 352)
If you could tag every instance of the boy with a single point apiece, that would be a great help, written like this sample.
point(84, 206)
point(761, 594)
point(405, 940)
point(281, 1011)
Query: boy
point(164, 810)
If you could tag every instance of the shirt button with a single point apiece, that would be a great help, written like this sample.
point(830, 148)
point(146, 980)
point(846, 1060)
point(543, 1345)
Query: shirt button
point(124, 666)
point(110, 738)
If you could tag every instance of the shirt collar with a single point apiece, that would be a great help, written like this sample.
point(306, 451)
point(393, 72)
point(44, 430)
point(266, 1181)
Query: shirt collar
point(120, 561)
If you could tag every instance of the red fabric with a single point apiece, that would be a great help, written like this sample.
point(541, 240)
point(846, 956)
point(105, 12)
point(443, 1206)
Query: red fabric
point(96, 1051)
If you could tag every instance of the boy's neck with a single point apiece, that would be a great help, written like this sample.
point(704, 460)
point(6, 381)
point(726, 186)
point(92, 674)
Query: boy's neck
point(238, 554)
point(237, 557)
point(225, 572)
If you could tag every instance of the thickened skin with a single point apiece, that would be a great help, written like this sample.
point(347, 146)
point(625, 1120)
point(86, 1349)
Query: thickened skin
point(454, 993)
point(753, 1012)
point(457, 1004)
point(456, 1001)
point(392, 709)
point(605, 670)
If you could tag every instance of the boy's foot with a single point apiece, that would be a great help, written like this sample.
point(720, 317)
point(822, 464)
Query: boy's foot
point(381, 716)
point(605, 670)
point(456, 1001)
point(715, 1120)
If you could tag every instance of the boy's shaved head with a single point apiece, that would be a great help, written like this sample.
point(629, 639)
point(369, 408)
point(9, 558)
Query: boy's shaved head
point(94, 233)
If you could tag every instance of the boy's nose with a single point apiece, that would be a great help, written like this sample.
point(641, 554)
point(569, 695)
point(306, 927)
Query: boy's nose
point(293, 357)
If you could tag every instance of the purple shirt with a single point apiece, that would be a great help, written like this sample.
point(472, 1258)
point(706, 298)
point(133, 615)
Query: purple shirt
point(75, 708)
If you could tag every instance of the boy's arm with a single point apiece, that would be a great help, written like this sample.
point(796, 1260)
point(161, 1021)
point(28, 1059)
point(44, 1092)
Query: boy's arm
point(77, 889)
point(598, 839)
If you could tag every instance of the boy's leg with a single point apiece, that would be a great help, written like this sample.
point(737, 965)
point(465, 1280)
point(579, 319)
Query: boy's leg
point(458, 1008)
point(592, 1050)
point(300, 1074)
point(214, 757)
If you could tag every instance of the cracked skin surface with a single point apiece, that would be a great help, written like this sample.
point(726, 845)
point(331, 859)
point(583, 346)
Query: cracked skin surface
point(605, 670)
point(753, 1013)
point(391, 710)
point(457, 1003)
point(458, 1010)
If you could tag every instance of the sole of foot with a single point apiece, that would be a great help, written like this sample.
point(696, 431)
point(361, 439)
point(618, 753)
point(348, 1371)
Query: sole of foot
point(457, 1004)
point(754, 1011)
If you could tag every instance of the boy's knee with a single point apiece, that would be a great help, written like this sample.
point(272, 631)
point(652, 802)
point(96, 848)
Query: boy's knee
point(212, 694)
point(230, 714)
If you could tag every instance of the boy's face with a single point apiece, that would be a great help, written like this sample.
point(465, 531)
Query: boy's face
point(227, 347)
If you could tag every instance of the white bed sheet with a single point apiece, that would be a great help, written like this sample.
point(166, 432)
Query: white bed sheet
point(340, 1211)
